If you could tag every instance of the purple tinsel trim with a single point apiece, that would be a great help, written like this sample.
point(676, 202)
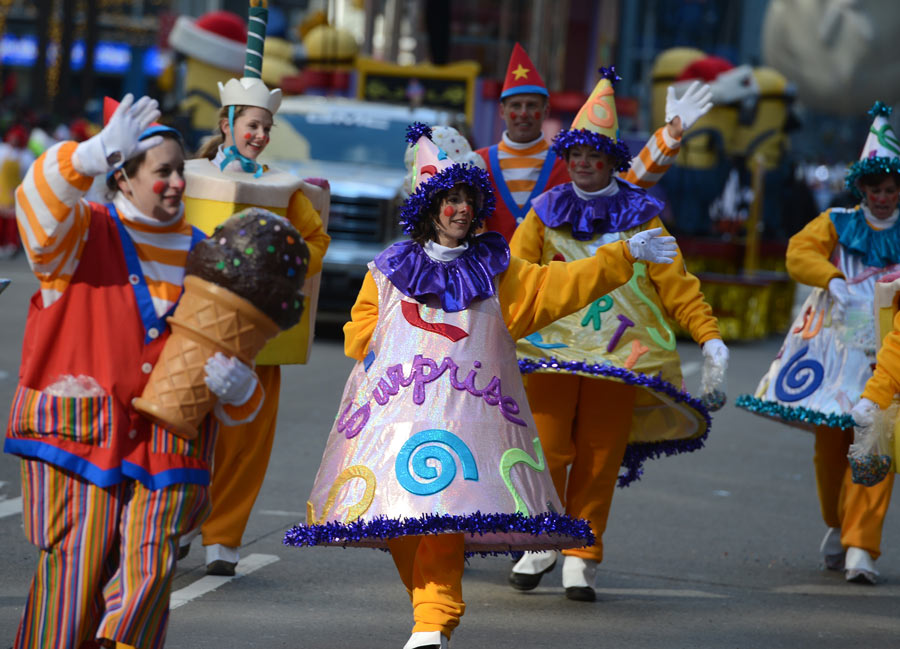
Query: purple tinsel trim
point(635, 454)
point(880, 108)
point(618, 151)
point(416, 130)
point(477, 524)
point(878, 165)
point(610, 73)
point(792, 414)
point(419, 201)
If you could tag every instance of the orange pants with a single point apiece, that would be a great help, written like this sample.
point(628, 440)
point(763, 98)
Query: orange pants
point(431, 568)
point(239, 466)
point(857, 510)
point(583, 423)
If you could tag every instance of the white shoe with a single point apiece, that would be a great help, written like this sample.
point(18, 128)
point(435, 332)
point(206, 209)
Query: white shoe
point(579, 576)
point(831, 549)
point(859, 567)
point(427, 639)
point(527, 572)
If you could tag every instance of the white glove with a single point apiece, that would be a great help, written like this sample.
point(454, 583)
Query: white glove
point(650, 246)
point(693, 104)
point(837, 289)
point(229, 379)
point(716, 352)
point(118, 141)
point(735, 85)
point(863, 412)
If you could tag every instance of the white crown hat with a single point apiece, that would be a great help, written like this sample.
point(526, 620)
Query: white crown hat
point(249, 91)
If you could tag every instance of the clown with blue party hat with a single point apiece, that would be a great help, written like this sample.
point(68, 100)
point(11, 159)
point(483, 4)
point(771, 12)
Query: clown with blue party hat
point(825, 365)
point(433, 453)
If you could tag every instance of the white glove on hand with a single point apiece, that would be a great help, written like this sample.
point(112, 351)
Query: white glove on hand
point(118, 141)
point(837, 289)
point(229, 379)
point(863, 413)
point(694, 104)
point(716, 352)
point(650, 246)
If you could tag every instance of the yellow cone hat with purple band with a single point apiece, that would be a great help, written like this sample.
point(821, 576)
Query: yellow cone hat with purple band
point(881, 152)
point(597, 123)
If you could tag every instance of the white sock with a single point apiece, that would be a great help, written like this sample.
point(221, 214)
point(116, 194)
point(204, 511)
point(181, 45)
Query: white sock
point(578, 572)
point(533, 563)
point(187, 538)
point(217, 552)
point(425, 639)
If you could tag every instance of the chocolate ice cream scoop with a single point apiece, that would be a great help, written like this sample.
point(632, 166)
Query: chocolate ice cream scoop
point(259, 256)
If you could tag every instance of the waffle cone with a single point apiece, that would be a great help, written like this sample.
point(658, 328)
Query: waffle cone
point(208, 319)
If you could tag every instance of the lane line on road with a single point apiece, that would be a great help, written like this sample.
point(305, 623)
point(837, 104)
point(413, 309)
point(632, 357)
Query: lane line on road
point(209, 583)
point(283, 512)
point(842, 590)
point(10, 507)
point(660, 592)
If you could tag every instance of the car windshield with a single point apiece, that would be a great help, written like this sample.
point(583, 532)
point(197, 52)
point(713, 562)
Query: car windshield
point(354, 137)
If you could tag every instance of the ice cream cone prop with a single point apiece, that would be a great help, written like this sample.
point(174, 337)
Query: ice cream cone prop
point(243, 286)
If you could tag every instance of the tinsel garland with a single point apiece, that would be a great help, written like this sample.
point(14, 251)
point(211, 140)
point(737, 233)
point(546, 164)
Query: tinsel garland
point(790, 414)
point(609, 73)
point(477, 524)
point(419, 202)
point(868, 166)
point(416, 130)
point(618, 151)
point(635, 454)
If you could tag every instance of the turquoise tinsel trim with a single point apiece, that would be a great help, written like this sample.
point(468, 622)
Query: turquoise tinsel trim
point(790, 414)
point(878, 248)
point(880, 108)
point(878, 165)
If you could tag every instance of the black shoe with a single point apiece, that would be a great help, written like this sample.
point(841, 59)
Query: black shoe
point(581, 594)
point(521, 581)
point(221, 568)
point(183, 551)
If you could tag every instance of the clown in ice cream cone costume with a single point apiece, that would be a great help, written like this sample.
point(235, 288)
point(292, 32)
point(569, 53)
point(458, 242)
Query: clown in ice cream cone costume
point(825, 363)
point(605, 383)
point(106, 492)
point(226, 178)
point(434, 452)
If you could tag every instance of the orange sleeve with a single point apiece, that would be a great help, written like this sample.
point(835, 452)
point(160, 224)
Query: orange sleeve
point(885, 380)
point(528, 240)
point(809, 253)
point(680, 293)
point(304, 217)
point(533, 295)
point(363, 318)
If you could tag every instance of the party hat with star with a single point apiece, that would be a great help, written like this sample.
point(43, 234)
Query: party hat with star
point(597, 124)
point(881, 152)
point(434, 171)
point(521, 76)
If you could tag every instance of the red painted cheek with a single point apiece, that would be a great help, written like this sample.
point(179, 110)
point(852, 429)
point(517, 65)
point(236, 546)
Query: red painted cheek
point(600, 165)
point(513, 115)
point(449, 211)
point(266, 139)
point(179, 185)
point(247, 136)
point(159, 187)
point(537, 114)
point(572, 164)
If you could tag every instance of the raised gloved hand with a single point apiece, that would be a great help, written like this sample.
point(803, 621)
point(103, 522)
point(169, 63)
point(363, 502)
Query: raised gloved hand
point(229, 379)
point(837, 289)
point(863, 412)
point(650, 246)
point(693, 104)
point(119, 140)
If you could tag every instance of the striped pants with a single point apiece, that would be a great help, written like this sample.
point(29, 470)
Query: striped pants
point(107, 558)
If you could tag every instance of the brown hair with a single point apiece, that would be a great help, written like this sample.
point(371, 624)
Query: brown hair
point(425, 230)
point(131, 166)
point(873, 180)
point(211, 145)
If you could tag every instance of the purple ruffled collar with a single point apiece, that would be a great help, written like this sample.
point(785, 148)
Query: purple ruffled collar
point(628, 208)
point(455, 283)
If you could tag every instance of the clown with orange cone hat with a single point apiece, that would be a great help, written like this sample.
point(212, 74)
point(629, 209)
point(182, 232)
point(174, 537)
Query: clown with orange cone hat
point(825, 363)
point(605, 383)
point(447, 304)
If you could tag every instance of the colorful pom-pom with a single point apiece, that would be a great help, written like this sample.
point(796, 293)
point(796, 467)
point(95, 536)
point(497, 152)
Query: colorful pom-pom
point(610, 73)
point(416, 130)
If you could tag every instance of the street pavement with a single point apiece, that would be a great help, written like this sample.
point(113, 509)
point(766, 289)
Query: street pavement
point(717, 548)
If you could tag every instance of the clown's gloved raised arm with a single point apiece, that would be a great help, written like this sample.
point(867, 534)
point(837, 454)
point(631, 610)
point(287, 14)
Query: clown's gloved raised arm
point(119, 140)
point(651, 247)
point(683, 112)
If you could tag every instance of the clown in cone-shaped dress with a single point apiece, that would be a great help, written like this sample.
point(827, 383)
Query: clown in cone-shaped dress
point(226, 178)
point(827, 357)
point(608, 376)
point(434, 452)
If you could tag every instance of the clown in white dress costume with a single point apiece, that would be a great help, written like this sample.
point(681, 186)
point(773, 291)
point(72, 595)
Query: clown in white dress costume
point(829, 352)
point(434, 444)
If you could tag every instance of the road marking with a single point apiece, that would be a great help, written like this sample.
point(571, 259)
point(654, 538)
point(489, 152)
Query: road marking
point(690, 367)
point(660, 592)
point(10, 507)
point(209, 583)
point(283, 512)
point(843, 590)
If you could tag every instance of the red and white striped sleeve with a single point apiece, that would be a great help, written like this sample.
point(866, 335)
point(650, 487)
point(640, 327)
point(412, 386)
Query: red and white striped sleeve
point(654, 159)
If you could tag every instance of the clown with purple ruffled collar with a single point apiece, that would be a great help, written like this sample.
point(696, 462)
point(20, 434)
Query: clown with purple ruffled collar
point(434, 453)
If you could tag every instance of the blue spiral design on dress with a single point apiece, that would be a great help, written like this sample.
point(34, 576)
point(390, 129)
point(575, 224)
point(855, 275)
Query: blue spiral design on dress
point(431, 451)
point(805, 376)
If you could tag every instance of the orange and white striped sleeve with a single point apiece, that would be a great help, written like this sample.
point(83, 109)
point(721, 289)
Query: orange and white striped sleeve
point(654, 159)
point(53, 218)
